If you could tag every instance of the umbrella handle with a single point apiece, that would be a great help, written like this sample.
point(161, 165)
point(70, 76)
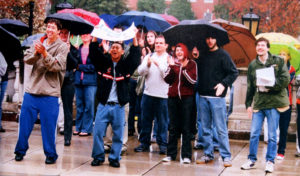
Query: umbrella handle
point(68, 37)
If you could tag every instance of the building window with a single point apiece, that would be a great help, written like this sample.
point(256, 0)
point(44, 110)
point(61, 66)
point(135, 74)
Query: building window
point(208, 1)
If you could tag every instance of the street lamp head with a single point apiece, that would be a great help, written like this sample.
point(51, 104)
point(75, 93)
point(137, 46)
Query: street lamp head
point(251, 21)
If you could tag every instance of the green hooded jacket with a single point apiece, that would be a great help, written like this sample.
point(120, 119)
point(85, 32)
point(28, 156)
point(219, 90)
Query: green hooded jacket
point(277, 96)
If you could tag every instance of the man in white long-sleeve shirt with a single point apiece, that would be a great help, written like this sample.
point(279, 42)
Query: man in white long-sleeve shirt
point(155, 97)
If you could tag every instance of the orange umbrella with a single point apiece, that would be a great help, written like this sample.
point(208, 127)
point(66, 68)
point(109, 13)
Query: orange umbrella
point(169, 18)
point(241, 46)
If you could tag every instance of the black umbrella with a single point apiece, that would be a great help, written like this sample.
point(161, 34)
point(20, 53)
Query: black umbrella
point(10, 46)
point(15, 26)
point(193, 33)
point(76, 25)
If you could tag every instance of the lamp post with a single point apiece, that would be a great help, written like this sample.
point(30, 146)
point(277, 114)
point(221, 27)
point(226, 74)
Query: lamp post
point(63, 5)
point(31, 7)
point(251, 21)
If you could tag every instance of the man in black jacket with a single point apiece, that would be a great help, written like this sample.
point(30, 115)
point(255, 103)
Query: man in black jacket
point(114, 71)
point(216, 72)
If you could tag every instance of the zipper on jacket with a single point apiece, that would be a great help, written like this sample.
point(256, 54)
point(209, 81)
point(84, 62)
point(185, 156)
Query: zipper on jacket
point(179, 81)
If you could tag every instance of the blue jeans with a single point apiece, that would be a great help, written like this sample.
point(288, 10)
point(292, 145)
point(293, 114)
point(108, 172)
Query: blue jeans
point(200, 133)
point(272, 116)
point(154, 107)
point(284, 122)
point(48, 107)
point(3, 86)
point(214, 110)
point(85, 102)
point(115, 115)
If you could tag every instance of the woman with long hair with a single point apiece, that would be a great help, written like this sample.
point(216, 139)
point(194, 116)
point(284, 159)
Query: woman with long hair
point(85, 88)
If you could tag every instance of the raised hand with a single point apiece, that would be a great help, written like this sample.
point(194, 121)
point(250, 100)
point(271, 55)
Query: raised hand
point(170, 60)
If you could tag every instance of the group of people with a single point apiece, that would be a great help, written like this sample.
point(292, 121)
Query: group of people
point(168, 89)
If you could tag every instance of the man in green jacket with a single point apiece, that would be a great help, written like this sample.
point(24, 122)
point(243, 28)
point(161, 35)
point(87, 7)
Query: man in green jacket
point(268, 101)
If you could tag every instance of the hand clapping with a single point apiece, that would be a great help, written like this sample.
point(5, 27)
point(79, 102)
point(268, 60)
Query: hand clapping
point(40, 49)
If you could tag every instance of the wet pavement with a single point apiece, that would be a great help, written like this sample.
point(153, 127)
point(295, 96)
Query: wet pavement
point(75, 159)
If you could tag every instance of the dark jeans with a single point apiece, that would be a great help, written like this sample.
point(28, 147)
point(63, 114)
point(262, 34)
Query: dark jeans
point(181, 122)
point(298, 124)
point(138, 111)
point(284, 121)
point(132, 104)
point(67, 96)
point(154, 107)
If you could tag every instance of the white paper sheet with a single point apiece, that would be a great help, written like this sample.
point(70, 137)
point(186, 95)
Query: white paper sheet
point(103, 32)
point(265, 77)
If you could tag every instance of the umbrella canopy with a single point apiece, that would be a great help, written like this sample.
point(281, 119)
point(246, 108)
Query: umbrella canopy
point(10, 46)
point(151, 21)
point(29, 40)
point(280, 38)
point(109, 19)
point(15, 26)
point(241, 46)
point(170, 19)
point(76, 25)
point(193, 33)
point(89, 16)
point(294, 53)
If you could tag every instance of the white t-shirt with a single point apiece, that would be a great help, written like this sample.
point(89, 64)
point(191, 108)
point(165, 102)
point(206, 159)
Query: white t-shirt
point(155, 84)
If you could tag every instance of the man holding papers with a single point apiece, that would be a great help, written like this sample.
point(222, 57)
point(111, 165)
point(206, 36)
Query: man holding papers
point(267, 80)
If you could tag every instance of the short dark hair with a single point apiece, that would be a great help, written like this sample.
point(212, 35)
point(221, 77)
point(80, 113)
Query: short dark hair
point(161, 36)
point(262, 39)
point(118, 26)
point(118, 42)
point(57, 22)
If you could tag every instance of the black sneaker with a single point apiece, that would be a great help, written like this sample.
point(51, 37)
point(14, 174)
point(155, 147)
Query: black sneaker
point(19, 157)
point(198, 147)
point(67, 143)
point(141, 148)
point(114, 163)
point(2, 130)
point(50, 160)
point(96, 162)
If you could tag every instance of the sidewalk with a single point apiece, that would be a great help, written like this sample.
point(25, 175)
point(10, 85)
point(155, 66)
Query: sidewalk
point(76, 159)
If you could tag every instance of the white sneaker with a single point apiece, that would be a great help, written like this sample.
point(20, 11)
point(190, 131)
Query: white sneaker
point(227, 162)
point(186, 161)
point(248, 165)
point(297, 154)
point(269, 167)
point(167, 159)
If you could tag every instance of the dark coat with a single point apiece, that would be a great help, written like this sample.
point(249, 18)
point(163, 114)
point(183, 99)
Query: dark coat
point(123, 70)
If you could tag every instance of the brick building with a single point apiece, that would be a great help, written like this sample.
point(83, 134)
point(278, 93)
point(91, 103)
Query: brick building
point(201, 8)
